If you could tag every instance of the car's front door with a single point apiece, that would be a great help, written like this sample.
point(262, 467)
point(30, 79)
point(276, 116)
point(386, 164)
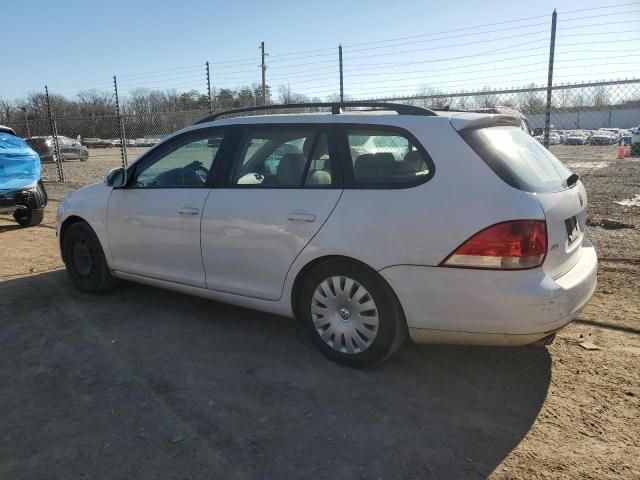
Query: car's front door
point(281, 188)
point(153, 224)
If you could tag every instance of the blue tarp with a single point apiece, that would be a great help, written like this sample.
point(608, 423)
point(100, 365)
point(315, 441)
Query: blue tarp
point(19, 164)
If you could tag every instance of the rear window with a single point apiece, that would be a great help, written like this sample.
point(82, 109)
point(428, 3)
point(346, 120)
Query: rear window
point(37, 142)
point(518, 159)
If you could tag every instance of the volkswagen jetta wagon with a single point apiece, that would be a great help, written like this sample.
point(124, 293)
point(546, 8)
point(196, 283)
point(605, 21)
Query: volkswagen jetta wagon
point(367, 225)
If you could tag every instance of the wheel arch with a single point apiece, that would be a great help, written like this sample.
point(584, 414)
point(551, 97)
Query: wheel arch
point(64, 227)
point(304, 272)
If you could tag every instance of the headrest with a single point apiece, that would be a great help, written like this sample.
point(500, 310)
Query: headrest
point(291, 168)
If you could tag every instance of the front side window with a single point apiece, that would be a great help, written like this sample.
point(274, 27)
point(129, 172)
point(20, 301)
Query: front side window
point(284, 157)
point(185, 165)
point(384, 158)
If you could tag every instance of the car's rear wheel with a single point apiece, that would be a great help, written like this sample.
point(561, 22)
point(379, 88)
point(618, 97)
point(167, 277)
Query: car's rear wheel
point(84, 156)
point(85, 261)
point(29, 217)
point(351, 314)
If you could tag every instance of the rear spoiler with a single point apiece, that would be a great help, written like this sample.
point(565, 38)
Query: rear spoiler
point(484, 122)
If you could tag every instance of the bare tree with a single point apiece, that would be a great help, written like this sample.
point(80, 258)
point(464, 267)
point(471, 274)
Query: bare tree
point(600, 97)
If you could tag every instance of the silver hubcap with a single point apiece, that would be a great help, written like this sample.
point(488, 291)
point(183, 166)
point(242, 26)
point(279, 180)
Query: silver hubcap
point(344, 315)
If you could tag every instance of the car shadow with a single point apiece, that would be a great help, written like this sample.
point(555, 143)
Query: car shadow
point(174, 384)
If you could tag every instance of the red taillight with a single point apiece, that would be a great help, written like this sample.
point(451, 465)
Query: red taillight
point(512, 245)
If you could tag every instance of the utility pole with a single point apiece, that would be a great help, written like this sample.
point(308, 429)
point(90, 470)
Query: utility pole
point(341, 74)
point(552, 49)
point(209, 89)
point(264, 70)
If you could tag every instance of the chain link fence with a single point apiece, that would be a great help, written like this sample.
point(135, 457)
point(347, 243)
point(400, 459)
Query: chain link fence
point(589, 126)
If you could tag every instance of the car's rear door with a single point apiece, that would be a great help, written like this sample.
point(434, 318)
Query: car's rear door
point(153, 225)
point(280, 188)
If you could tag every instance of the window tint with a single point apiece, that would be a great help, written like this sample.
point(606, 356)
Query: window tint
point(284, 157)
point(385, 158)
point(518, 159)
point(186, 165)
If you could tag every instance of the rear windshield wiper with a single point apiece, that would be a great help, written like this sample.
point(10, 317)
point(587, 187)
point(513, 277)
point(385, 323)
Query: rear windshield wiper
point(572, 180)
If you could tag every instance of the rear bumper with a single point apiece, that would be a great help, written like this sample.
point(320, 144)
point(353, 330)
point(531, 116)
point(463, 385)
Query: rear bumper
point(451, 305)
point(34, 197)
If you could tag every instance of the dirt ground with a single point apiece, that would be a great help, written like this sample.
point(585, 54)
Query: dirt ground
point(143, 383)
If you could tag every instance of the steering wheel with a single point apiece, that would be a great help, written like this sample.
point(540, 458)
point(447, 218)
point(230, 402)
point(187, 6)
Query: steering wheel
point(200, 170)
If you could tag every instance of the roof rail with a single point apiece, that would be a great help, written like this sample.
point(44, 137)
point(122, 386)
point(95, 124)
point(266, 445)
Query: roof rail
point(336, 108)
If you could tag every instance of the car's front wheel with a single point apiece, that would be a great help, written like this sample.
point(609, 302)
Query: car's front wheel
point(85, 261)
point(352, 315)
point(84, 156)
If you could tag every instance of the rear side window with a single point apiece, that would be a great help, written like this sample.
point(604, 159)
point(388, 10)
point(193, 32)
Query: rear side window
point(385, 159)
point(284, 157)
point(518, 159)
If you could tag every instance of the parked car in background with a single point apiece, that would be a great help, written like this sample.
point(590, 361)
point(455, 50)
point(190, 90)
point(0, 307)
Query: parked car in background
point(603, 137)
point(129, 142)
point(554, 138)
point(96, 143)
point(364, 246)
point(635, 142)
point(22, 193)
point(577, 137)
point(146, 142)
point(69, 149)
point(627, 135)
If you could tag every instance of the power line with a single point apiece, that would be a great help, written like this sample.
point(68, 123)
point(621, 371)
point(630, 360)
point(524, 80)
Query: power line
point(464, 85)
point(515, 72)
point(446, 31)
point(598, 8)
point(455, 45)
point(160, 71)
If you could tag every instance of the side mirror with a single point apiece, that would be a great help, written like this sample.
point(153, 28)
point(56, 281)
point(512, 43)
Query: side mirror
point(116, 178)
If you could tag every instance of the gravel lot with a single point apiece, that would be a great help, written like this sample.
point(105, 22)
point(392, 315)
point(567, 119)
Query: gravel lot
point(143, 383)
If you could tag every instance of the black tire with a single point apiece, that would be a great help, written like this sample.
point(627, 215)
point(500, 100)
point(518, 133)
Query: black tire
point(84, 260)
point(84, 156)
point(392, 328)
point(29, 217)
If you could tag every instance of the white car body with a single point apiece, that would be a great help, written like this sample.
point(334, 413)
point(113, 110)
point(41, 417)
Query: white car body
point(241, 246)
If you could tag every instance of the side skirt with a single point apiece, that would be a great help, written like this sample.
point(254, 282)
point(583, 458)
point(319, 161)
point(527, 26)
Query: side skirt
point(275, 307)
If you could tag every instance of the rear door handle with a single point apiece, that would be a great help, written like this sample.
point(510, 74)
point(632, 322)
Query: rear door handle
point(188, 211)
point(301, 217)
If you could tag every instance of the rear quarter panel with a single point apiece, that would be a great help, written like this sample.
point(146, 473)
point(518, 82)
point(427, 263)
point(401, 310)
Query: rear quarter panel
point(424, 224)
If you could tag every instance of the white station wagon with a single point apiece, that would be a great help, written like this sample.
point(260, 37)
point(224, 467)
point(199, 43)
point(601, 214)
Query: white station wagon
point(366, 225)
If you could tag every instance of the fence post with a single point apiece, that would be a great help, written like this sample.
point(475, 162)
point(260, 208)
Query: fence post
point(54, 135)
point(264, 69)
point(123, 145)
point(552, 49)
point(341, 74)
point(209, 89)
point(26, 119)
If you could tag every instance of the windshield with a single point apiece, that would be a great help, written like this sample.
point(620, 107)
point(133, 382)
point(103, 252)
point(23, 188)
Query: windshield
point(518, 159)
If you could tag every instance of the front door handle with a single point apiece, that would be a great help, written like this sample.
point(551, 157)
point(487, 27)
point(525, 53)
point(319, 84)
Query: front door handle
point(188, 211)
point(301, 217)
